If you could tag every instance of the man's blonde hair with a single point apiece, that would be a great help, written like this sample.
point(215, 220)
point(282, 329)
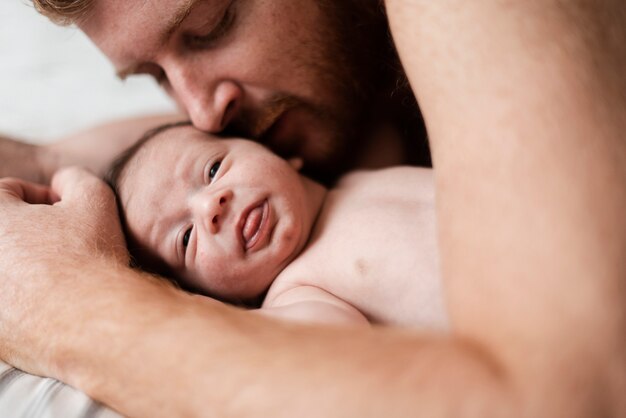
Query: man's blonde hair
point(63, 12)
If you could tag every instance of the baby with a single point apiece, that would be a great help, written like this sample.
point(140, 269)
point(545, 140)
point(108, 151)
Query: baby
point(232, 220)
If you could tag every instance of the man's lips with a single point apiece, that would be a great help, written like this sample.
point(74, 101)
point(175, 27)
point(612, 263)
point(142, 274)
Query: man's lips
point(254, 225)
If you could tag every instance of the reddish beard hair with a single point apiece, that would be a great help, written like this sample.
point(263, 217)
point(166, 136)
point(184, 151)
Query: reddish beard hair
point(357, 60)
point(364, 64)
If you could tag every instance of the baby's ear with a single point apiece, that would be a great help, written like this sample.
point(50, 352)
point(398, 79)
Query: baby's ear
point(296, 163)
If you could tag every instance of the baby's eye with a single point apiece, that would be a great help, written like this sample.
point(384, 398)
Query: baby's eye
point(186, 237)
point(214, 169)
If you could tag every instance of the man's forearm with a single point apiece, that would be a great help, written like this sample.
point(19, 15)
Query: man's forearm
point(176, 354)
point(27, 161)
point(93, 148)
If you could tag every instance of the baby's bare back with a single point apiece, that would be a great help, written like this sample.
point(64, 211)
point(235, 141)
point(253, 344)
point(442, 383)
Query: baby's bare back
point(374, 247)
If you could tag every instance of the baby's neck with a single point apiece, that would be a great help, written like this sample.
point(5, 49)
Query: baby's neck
point(316, 194)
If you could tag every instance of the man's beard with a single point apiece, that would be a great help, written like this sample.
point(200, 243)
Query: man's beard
point(361, 48)
point(358, 63)
point(325, 157)
point(364, 64)
point(362, 60)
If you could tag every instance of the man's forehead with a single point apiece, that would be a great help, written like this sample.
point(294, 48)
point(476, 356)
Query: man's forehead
point(125, 28)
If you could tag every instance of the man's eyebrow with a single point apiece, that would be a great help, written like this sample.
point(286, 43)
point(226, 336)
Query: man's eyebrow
point(178, 18)
point(172, 26)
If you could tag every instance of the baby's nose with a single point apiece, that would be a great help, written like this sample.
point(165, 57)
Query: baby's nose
point(212, 208)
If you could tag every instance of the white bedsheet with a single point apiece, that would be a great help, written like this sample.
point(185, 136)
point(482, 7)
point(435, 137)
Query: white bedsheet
point(24, 395)
point(54, 81)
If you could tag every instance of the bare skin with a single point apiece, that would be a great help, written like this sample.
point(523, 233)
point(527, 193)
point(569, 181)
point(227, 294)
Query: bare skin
point(539, 81)
point(373, 248)
point(232, 220)
point(23, 160)
point(554, 106)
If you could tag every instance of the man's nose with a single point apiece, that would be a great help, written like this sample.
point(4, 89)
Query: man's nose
point(210, 207)
point(211, 104)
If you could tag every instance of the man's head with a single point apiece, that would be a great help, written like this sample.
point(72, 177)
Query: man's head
point(223, 216)
point(305, 77)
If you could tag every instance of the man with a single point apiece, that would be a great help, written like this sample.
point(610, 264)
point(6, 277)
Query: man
point(517, 96)
point(319, 79)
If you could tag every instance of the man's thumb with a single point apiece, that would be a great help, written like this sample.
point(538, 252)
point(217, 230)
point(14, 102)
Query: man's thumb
point(78, 184)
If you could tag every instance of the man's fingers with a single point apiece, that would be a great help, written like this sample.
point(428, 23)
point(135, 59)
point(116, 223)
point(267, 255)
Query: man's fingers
point(28, 192)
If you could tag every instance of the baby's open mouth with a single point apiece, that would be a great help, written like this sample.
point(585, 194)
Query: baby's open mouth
point(253, 225)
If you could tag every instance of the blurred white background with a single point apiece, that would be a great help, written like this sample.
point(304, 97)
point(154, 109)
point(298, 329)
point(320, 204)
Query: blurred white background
point(54, 81)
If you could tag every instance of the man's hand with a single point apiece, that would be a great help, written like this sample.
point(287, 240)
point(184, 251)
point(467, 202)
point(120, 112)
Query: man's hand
point(73, 222)
point(18, 190)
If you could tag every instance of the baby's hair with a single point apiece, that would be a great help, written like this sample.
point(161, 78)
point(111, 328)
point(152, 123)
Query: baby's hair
point(116, 170)
point(114, 177)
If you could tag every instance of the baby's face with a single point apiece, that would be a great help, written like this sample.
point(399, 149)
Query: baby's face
point(225, 216)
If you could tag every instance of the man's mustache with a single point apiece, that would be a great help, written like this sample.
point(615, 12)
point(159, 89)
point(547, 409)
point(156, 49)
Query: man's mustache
point(256, 123)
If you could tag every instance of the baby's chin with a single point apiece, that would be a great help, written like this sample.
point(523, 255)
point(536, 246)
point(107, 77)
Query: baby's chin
point(249, 286)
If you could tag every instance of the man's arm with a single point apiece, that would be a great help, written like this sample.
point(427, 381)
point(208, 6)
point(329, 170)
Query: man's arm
point(184, 355)
point(519, 351)
point(27, 161)
point(525, 104)
point(96, 148)
point(93, 148)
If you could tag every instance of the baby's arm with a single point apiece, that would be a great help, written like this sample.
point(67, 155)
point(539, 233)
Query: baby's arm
point(311, 304)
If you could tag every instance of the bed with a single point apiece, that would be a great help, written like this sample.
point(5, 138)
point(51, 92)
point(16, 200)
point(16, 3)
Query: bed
point(53, 81)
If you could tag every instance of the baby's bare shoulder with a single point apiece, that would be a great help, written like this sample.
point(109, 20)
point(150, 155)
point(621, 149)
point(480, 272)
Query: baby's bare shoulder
point(400, 179)
point(392, 174)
